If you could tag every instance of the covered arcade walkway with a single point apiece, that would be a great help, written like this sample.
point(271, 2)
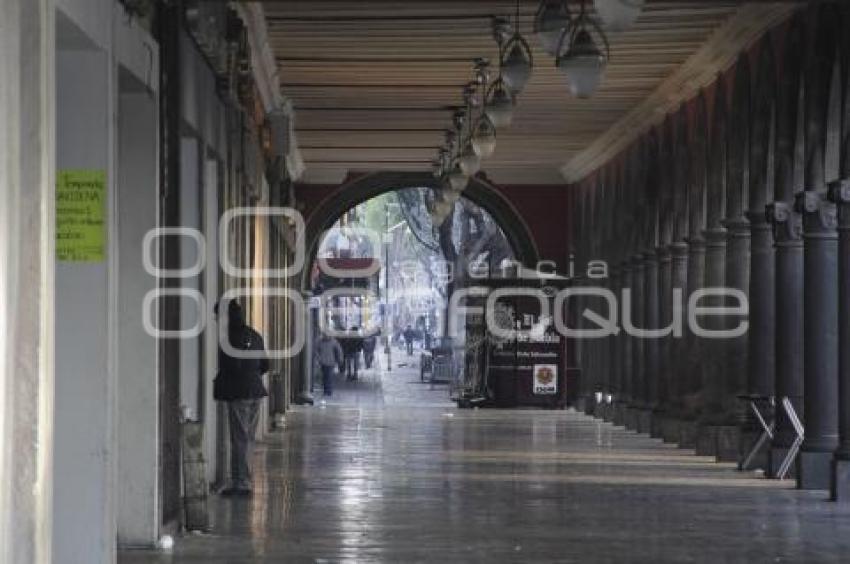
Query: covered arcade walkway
point(404, 484)
point(160, 156)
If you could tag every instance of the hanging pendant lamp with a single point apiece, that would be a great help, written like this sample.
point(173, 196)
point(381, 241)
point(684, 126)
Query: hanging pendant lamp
point(515, 57)
point(500, 105)
point(469, 161)
point(484, 139)
point(618, 15)
point(581, 59)
point(550, 21)
point(458, 178)
point(517, 64)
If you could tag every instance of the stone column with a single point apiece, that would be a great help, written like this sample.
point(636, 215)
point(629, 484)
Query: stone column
point(840, 485)
point(761, 337)
point(677, 350)
point(692, 378)
point(665, 313)
point(787, 231)
point(612, 357)
point(788, 243)
point(820, 264)
point(737, 260)
point(639, 396)
point(762, 302)
point(735, 358)
point(650, 346)
point(713, 369)
point(693, 358)
point(625, 347)
point(761, 356)
point(820, 339)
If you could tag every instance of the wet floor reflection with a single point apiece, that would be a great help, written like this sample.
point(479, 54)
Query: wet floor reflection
point(437, 484)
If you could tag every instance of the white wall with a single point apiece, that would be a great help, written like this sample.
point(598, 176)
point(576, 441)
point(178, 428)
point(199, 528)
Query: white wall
point(106, 380)
point(211, 423)
point(26, 231)
point(138, 511)
point(85, 390)
point(190, 217)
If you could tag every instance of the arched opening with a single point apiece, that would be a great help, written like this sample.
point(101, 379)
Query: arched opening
point(381, 276)
point(361, 189)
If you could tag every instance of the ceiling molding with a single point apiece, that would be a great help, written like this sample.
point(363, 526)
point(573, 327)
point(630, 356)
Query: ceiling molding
point(267, 77)
point(746, 26)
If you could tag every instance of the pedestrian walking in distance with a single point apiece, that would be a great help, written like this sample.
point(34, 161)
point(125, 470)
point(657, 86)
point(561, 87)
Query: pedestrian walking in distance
point(329, 355)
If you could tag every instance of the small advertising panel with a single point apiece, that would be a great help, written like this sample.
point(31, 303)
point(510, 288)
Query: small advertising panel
point(545, 379)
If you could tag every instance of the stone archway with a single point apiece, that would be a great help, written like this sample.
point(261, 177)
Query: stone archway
point(368, 186)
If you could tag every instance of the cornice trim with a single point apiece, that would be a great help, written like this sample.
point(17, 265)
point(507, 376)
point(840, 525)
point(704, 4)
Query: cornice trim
point(740, 31)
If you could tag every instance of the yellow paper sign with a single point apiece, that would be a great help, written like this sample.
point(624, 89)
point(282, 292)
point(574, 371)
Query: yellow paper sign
point(81, 215)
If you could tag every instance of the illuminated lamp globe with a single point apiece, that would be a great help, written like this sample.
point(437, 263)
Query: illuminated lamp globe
point(516, 67)
point(618, 15)
point(553, 17)
point(500, 107)
point(584, 64)
point(457, 178)
point(469, 161)
point(484, 138)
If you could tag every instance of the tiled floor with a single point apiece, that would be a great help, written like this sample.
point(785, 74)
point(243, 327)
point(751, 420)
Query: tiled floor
point(377, 387)
point(436, 484)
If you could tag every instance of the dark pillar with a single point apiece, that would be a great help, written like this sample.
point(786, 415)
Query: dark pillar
point(639, 396)
point(693, 354)
point(625, 348)
point(761, 355)
point(840, 487)
point(735, 359)
point(820, 340)
point(678, 350)
point(787, 230)
point(613, 354)
point(650, 321)
point(713, 367)
point(665, 313)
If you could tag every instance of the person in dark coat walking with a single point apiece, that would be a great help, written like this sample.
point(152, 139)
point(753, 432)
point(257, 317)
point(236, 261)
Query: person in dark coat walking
point(409, 336)
point(351, 347)
point(329, 355)
point(369, 344)
point(239, 383)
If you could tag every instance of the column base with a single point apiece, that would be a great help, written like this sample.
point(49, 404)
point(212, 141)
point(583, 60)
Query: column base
point(304, 398)
point(814, 470)
point(775, 456)
point(687, 434)
point(728, 443)
point(840, 486)
point(643, 421)
point(579, 405)
point(706, 440)
point(619, 418)
point(599, 410)
point(670, 430)
point(656, 425)
point(631, 418)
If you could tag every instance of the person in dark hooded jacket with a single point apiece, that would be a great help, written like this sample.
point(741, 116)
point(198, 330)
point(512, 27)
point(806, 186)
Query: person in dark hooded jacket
point(239, 383)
